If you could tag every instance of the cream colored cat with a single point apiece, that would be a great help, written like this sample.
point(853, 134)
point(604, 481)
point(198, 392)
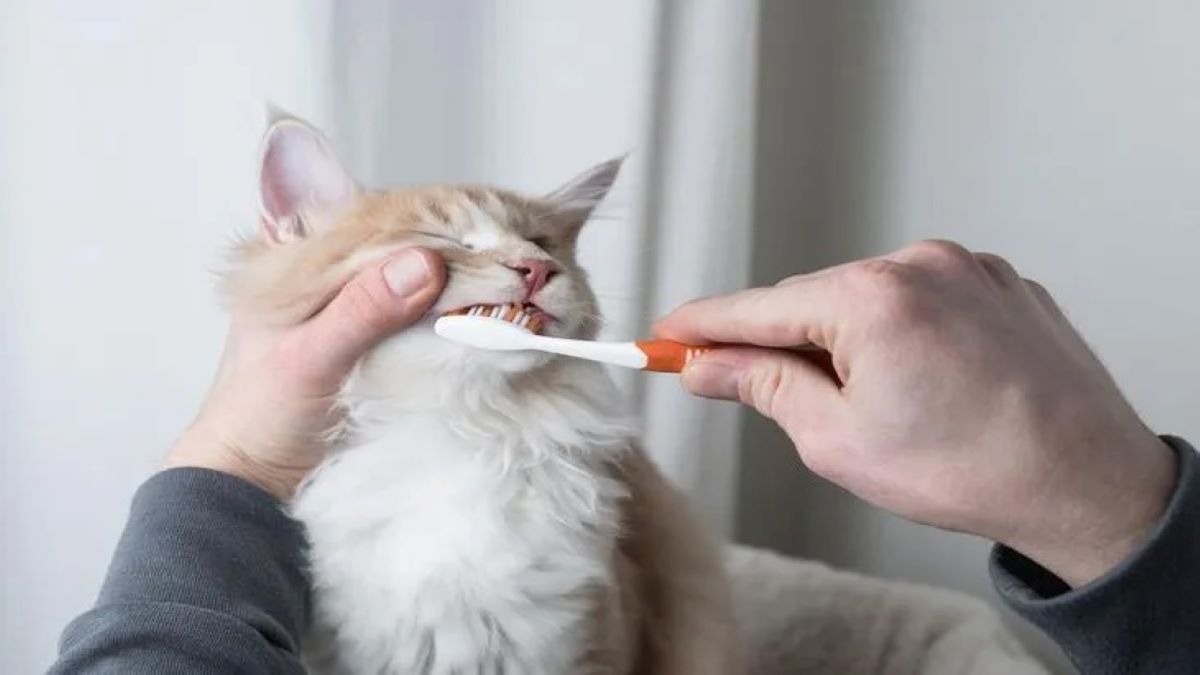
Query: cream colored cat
point(485, 512)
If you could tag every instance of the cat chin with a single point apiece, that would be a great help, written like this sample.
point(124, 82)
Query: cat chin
point(470, 363)
point(510, 362)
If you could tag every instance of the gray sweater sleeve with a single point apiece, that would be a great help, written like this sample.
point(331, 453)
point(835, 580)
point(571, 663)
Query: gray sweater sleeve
point(1139, 618)
point(207, 578)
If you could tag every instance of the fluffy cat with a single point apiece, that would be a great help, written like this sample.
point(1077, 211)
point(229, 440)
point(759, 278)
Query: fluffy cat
point(484, 512)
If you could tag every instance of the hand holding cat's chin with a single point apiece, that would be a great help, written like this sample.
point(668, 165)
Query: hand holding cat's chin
point(272, 404)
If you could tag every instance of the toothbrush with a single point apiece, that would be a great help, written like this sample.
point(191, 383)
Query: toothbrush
point(511, 327)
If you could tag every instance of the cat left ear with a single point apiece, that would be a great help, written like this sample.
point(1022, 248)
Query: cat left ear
point(303, 186)
point(576, 200)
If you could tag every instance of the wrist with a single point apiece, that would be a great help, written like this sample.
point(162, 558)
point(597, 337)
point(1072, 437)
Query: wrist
point(201, 448)
point(1081, 534)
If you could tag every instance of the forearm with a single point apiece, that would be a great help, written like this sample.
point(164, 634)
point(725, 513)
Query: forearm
point(207, 578)
point(1139, 617)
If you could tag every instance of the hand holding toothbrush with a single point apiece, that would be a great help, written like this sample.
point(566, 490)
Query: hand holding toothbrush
point(960, 390)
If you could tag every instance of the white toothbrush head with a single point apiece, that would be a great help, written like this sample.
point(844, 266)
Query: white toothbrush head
point(484, 332)
point(514, 327)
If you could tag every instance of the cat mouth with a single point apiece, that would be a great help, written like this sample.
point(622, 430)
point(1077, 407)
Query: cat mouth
point(524, 314)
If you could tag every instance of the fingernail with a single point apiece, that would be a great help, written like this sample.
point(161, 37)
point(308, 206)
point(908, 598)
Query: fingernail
point(406, 273)
point(711, 380)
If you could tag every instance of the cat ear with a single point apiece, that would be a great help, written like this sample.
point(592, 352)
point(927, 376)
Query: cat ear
point(576, 200)
point(302, 184)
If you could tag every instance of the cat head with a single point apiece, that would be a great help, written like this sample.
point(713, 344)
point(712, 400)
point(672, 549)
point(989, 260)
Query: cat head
point(319, 227)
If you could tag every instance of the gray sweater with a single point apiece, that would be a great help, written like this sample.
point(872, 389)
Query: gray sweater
point(209, 578)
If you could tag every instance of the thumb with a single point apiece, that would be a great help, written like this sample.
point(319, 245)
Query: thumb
point(373, 305)
point(778, 383)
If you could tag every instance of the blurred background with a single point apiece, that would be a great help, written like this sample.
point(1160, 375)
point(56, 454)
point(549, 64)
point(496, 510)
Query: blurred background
point(766, 138)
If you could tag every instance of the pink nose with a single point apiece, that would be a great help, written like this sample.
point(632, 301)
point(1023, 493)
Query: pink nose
point(536, 272)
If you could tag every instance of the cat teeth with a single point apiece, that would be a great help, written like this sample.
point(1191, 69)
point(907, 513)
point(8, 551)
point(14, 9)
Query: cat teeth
point(514, 313)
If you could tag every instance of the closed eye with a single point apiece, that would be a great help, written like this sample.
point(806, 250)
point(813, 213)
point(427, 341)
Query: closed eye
point(543, 243)
point(445, 237)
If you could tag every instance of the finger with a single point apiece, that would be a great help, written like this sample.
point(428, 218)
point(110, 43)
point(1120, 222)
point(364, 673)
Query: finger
point(780, 384)
point(373, 305)
point(802, 312)
point(823, 272)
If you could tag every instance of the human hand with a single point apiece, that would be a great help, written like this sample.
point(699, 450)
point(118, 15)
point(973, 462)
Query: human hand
point(268, 415)
point(963, 398)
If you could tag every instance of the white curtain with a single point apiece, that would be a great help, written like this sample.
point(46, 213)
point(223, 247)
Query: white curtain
point(128, 134)
point(697, 198)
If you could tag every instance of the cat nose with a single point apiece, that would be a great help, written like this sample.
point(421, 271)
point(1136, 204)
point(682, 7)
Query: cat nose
point(536, 272)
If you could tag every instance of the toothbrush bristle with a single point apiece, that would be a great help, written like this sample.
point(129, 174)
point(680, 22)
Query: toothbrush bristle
point(519, 314)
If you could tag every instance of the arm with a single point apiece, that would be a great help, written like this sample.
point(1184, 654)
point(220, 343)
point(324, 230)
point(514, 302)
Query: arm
point(207, 578)
point(1138, 618)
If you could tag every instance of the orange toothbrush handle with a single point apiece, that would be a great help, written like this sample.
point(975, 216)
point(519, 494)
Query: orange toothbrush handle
point(666, 356)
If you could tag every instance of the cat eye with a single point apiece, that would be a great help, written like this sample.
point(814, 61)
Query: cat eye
point(446, 237)
point(543, 243)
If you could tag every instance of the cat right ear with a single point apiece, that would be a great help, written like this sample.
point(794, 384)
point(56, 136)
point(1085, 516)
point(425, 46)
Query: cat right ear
point(578, 198)
point(303, 186)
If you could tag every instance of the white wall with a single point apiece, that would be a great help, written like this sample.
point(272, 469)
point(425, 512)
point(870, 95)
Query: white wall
point(128, 133)
point(1062, 135)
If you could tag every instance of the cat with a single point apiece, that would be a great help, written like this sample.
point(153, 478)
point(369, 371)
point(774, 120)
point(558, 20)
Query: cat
point(482, 512)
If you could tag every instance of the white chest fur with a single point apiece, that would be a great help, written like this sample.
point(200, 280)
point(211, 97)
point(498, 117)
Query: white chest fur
point(440, 549)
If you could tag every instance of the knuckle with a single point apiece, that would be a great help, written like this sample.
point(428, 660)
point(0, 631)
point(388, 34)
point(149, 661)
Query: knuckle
point(992, 259)
point(1037, 289)
point(762, 385)
point(878, 275)
point(781, 329)
point(940, 254)
point(1042, 295)
point(889, 290)
point(366, 307)
point(693, 310)
point(997, 264)
point(772, 323)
